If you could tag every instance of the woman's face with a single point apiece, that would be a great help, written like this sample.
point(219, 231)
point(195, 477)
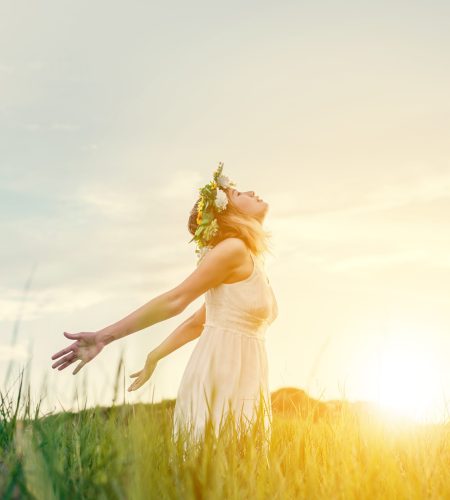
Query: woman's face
point(249, 202)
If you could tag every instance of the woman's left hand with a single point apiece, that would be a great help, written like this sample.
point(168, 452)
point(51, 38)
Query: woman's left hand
point(87, 345)
point(144, 374)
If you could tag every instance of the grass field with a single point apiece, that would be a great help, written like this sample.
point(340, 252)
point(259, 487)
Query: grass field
point(126, 451)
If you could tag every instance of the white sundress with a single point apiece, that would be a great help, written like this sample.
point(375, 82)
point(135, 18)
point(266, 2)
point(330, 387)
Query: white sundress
point(228, 366)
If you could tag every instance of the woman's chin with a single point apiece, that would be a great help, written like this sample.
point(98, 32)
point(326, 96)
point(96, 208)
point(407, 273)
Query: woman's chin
point(264, 208)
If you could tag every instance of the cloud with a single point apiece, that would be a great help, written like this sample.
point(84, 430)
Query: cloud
point(33, 126)
point(401, 223)
point(64, 126)
point(132, 200)
point(420, 189)
point(378, 260)
point(106, 199)
point(89, 147)
point(53, 300)
point(182, 185)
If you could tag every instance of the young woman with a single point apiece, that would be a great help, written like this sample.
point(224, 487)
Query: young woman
point(228, 368)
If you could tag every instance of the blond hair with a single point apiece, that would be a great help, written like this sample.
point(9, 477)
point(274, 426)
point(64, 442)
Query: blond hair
point(233, 222)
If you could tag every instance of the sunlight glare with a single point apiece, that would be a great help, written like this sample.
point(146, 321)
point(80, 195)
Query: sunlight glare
point(409, 383)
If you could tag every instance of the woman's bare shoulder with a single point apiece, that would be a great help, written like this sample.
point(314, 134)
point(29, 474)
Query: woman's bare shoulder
point(213, 269)
point(228, 252)
point(232, 243)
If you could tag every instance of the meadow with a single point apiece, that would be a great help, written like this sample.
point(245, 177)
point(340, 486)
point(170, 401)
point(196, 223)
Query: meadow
point(127, 452)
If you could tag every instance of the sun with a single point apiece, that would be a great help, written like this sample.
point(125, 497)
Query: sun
point(408, 377)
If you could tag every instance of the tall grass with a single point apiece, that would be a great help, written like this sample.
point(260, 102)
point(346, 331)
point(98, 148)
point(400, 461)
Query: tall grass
point(128, 451)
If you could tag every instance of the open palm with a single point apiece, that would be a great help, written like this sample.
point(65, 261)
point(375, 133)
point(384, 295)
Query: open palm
point(86, 346)
point(144, 374)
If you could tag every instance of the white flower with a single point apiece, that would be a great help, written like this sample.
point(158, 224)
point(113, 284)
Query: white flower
point(224, 182)
point(221, 200)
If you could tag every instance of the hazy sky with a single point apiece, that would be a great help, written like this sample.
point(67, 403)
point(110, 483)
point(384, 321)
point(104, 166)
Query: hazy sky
point(112, 114)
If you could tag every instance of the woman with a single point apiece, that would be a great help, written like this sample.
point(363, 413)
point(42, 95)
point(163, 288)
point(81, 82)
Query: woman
point(228, 367)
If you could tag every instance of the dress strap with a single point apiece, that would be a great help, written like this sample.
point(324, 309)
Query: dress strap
point(256, 269)
point(255, 261)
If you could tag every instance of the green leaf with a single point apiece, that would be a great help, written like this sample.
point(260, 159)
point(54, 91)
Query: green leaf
point(207, 218)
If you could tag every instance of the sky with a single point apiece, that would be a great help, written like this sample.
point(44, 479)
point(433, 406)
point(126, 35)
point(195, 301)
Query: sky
point(113, 114)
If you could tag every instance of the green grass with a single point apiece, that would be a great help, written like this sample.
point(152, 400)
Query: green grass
point(126, 451)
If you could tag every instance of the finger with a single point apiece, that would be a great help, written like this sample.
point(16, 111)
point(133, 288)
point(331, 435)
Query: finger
point(62, 352)
point(67, 364)
point(74, 336)
point(135, 374)
point(135, 385)
point(79, 367)
point(64, 359)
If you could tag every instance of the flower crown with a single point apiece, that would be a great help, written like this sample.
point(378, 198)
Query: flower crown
point(213, 199)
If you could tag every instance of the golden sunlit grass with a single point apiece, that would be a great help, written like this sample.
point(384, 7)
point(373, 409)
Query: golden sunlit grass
point(126, 451)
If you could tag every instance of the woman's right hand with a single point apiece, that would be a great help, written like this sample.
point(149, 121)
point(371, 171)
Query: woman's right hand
point(86, 346)
point(144, 374)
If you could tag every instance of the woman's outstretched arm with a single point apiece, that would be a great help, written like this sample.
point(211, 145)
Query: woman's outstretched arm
point(189, 330)
point(216, 266)
point(158, 309)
